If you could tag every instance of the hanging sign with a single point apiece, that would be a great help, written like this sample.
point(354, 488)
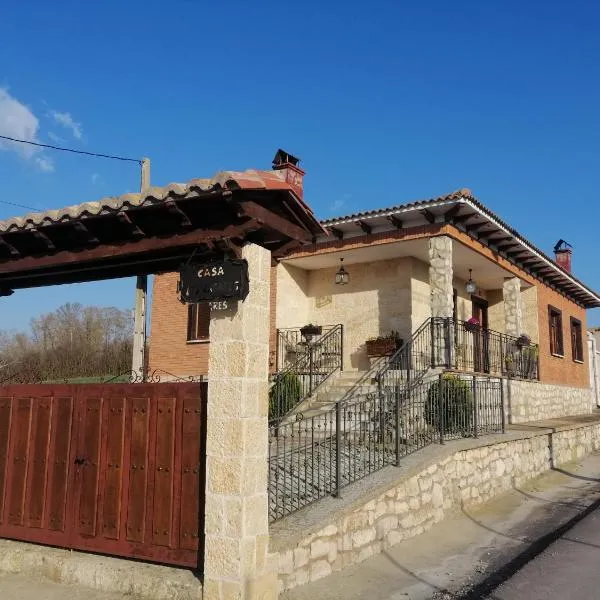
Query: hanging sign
point(214, 281)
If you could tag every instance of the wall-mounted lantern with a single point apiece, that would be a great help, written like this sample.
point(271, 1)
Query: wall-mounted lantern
point(342, 277)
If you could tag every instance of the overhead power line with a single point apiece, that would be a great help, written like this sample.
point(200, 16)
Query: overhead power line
point(11, 139)
point(20, 205)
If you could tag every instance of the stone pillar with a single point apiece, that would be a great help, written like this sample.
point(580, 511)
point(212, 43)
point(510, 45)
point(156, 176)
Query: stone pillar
point(513, 306)
point(236, 560)
point(441, 276)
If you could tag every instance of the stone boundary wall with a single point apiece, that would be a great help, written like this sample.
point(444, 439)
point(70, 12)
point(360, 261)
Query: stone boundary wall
point(415, 504)
point(534, 401)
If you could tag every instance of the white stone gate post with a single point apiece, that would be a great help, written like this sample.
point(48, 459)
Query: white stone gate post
point(236, 560)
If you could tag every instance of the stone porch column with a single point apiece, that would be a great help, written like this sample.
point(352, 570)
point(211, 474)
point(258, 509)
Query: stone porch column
point(441, 277)
point(513, 306)
point(236, 557)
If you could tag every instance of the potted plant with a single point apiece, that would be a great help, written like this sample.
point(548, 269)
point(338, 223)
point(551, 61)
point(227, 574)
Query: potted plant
point(308, 332)
point(472, 325)
point(523, 340)
point(384, 345)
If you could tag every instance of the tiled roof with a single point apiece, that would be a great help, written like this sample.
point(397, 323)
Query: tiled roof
point(465, 197)
point(457, 195)
point(225, 180)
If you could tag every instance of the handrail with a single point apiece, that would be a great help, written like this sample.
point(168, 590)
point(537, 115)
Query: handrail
point(318, 361)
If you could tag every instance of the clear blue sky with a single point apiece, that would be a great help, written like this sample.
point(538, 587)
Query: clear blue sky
point(385, 102)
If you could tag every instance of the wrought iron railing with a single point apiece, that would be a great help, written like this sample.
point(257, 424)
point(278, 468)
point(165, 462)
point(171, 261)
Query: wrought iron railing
point(291, 344)
point(314, 457)
point(486, 351)
point(315, 362)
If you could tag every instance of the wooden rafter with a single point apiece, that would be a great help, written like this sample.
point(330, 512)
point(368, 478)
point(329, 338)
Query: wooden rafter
point(173, 209)
point(286, 248)
point(476, 227)
point(365, 227)
point(338, 233)
point(503, 247)
point(463, 218)
point(428, 215)
point(124, 218)
point(11, 249)
point(266, 217)
point(40, 236)
point(451, 213)
point(395, 221)
point(85, 232)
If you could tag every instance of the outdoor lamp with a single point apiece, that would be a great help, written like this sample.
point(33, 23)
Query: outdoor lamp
point(342, 277)
point(471, 286)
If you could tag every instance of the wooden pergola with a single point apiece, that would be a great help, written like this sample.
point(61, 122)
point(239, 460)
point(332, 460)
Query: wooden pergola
point(155, 231)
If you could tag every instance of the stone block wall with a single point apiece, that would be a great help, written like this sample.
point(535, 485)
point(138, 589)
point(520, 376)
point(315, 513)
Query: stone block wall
point(534, 401)
point(414, 505)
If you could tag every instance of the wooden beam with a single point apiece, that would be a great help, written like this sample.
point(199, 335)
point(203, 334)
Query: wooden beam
point(504, 247)
point(42, 237)
point(428, 215)
point(4, 291)
point(365, 227)
point(11, 249)
point(85, 232)
point(286, 248)
point(500, 239)
point(124, 218)
point(270, 219)
point(339, 234)
point(172, 207)
point(395, 221)
point(463, 218)
point(134, 248)
point(476, 227)
point(450, 214)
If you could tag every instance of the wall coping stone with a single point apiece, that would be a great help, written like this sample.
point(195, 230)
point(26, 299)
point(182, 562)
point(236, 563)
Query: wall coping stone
point(288, 532)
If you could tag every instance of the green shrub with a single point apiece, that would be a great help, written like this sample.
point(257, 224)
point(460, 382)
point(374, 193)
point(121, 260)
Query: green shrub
point(456, 398)
point(285, 393)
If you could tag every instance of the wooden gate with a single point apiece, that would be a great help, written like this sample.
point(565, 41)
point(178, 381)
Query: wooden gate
point(116, 469)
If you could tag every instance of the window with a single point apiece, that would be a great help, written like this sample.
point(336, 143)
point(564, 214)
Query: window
point(198, 322)
point(556, 336)
point(576, 340)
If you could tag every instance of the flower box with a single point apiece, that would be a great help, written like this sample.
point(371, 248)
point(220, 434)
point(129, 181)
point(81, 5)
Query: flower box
point(384, 346)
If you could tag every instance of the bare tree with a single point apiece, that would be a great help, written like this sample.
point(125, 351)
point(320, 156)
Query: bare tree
point(71, 342)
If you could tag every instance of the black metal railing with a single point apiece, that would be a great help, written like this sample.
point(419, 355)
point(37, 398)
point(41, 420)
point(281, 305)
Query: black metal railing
point(291, 344)
point(315, 362)
point(487, 351)
point(314, 457)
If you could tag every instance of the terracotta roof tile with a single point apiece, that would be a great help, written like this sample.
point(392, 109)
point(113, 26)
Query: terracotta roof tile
point(231, 180)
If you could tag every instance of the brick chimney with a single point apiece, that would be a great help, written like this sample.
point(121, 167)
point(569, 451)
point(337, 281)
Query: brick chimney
point(290, 171)
point(563, 252)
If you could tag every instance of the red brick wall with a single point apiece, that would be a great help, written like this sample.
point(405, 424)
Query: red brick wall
point(169, 350)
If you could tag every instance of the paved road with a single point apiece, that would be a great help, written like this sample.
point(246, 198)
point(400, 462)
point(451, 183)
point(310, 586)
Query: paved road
point(569, 568)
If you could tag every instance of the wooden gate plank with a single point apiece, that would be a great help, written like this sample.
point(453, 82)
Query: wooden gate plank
point(60, 462)
point(113, 468)
point(5, 420)
point(162, 520)
point(190, 471)
point(138, 469)
point(20, 459)
point(90, 455)
point(38, 464)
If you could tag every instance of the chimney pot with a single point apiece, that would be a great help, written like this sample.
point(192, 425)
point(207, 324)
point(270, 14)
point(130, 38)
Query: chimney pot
point(563, 252)
point(287, 165)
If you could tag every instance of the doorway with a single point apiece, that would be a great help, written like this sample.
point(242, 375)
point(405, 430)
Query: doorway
point(481, 363)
